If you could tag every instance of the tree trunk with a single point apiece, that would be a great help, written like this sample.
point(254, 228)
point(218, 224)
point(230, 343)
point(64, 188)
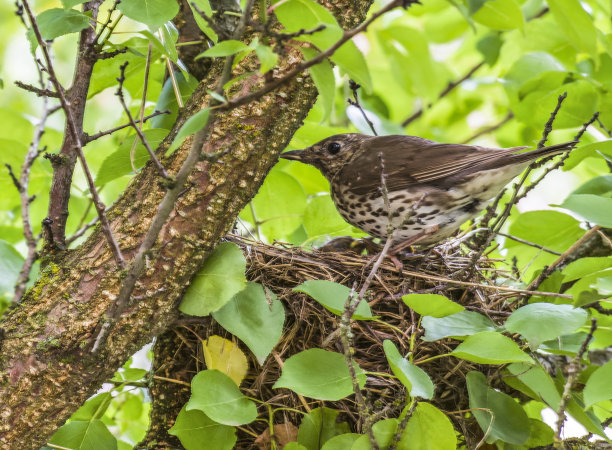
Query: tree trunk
point(47, 367)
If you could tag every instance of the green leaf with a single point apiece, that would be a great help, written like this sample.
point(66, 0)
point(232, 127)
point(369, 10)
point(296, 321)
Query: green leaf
point(10, 266)
point(194, 124)
point(224, 48)
point(254, 316)
point(500, 15)
point(319, 374)
point(84, 435)
point(94, 408)
point(598, 387)
point(204, 6)
point(323, 76)
point(534, 382)
point(193, 428)
point(167, 100)
point(341, 442)
point(594, 208)
point(489, 46)
point(432, 305)
point(220, 278)
point(267, 58)
point(217, 396)
point(496, 413)
point(70, 3)
point(306, 14)
point(278, 205)
point(595, 149)
point(319, 426)
point(463, 323)
point(333, 297)
point(601, 185)
point(540, 434)
point(321, 219)
point(541, 322)
point(428, 428)
point(488, 347)
point(153, 13)
point(415, 379)
point(58, 22)
point(577, 25)
point(118, 163)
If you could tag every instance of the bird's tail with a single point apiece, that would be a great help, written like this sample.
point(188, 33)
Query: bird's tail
point(544, 151)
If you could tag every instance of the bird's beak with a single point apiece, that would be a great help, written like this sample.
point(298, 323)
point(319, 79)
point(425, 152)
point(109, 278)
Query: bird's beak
point(294, 155)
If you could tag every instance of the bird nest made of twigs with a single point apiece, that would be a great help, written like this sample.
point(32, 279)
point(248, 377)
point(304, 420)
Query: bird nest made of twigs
point(280, 268)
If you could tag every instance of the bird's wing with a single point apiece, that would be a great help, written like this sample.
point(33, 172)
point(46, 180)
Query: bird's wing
point(410, 161)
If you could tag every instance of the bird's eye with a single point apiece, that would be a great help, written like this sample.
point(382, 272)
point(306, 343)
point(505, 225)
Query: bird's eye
point(333, 148)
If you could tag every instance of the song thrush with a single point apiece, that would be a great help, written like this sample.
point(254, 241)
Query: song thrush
point(429, 186)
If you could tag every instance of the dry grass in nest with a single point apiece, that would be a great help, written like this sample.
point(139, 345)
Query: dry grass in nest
point(309, 325)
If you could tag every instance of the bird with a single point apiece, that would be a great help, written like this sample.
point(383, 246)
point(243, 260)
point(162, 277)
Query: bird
point(413, 189)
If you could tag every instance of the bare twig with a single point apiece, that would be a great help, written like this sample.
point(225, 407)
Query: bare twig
point(40, 92)
point(572, 373)
point(143, 139)
point(531, 244)
point(490, 128)
point(107, 26)
point(76, 137)
point(92, 137)
point(449, 88)
point(603, 127)
point(551, 119)
point(355, 102)
point(550, 269)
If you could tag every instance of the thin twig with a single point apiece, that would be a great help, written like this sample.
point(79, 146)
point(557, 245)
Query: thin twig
point(172, 75)
point(490, 128)
point(40, 92)
point(531, 244)
point(449, 88)
point(143, 139)
point(211, 23)
point(551, 119)
point(355, 102)
point(572, 373)
point(550, 269)
point(107, 25)
point(92, 137)
point(402, 426)
point(76, 137)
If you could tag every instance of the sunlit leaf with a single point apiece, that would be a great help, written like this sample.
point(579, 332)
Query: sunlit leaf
point(222, 355)
point(57, 22)
point(434, 305)
point(153, 13)
point(598, 387)
point(194, 124)
point(84, 435)
point(224, 48)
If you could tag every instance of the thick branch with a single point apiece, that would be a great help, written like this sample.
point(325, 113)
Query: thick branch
point(48, 336)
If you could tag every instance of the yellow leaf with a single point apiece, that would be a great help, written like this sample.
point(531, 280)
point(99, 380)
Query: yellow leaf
point(222, 355)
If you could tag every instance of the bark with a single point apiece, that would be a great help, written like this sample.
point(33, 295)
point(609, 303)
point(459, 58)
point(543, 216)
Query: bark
point(64, 162)
point(47, 369)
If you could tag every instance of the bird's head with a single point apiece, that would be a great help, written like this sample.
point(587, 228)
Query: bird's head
point(330, 154)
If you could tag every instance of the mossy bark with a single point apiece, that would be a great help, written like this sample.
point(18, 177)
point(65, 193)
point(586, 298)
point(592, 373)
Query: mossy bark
point(47, 368)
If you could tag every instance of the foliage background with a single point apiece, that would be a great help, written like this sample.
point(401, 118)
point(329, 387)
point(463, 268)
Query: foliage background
point(525, 54)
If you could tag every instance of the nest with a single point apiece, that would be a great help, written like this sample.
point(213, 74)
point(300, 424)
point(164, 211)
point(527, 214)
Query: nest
point(309, 325)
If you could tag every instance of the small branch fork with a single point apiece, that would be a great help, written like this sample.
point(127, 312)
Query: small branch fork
point(573, 369)
point(143, 139)
point(87, 138)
